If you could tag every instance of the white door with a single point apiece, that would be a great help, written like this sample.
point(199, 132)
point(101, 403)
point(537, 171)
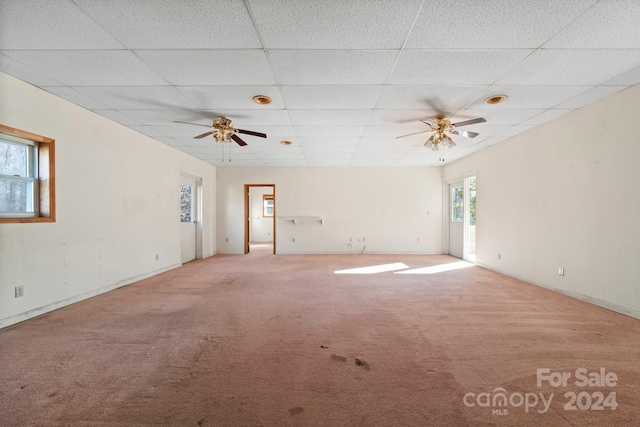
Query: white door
point(188, 224)
point(456, 219)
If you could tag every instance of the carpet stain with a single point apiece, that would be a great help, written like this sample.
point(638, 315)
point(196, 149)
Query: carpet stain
point(364, 365)
point(296, 410)
point(338, 358)
point(324, 346)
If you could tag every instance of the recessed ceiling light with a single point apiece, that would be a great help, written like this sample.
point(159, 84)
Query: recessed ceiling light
point(286, 142)
point(496, 99)
point(262, 99)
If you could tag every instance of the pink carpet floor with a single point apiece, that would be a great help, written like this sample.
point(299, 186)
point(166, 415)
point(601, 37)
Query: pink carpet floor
point(320, 340)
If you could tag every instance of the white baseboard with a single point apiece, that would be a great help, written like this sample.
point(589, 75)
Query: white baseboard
point(586, 298)
point(20, 317)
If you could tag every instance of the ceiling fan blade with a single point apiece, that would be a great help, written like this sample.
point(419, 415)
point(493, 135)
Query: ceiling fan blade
point(465, 133)
point(204, 134)
point(469, 122)
point(250, 132)
point(237, 139)
point(415, 133)
point(189, 123)
point(426, 123)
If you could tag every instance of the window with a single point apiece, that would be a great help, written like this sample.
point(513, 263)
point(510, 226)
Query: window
point(457, 204)
point(186, 203)
point(267, 205)
point(26, 177)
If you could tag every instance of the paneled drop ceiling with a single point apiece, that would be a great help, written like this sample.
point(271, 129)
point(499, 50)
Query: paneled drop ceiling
point(346, 76)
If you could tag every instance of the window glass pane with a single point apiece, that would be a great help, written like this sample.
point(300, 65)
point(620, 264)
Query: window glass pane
point(267, 206)
point(13, 159)
point(457, 203)
point(472, 201)
point(186, 203)
point(16, 196)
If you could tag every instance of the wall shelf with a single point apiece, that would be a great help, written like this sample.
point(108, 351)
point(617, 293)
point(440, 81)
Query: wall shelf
point(298, 218)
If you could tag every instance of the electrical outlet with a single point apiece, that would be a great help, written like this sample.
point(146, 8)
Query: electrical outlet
point(293, 240)
point(157, 257)
point(499, 256)
point(19, 291)
point(561, 271)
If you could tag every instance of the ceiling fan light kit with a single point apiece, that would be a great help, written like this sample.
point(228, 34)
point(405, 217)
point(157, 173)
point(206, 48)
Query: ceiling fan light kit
point(224, 131)
point(440, 128)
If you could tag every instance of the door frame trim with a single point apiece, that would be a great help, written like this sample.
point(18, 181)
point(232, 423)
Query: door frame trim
point(247, 219)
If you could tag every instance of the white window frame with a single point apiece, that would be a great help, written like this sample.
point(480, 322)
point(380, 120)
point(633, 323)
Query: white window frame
point(31, 177)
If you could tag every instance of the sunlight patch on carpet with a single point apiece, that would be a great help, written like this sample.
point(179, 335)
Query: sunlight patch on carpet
point(438, 268)
point(382, 268)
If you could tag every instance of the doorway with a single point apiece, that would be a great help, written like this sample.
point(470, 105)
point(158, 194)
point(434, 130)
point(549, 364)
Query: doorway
point(462, 218)
point(260, 216)
point(190, 223)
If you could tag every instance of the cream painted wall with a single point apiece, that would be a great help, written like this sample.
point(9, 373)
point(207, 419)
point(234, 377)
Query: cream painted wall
point(565, 194)
point(117, 195)
point(384, 210)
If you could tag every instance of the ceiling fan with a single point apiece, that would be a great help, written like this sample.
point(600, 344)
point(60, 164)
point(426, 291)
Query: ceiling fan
point(441, 127)
point(223, 131)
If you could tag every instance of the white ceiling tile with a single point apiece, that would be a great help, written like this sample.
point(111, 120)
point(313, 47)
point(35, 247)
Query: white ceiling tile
point(608, 24)
point(515, 130)
point(331, 67)
point(530, 97)
point(210, 67)
point(158, 62)
point(137, 97)
point(279, 132)
point(329, 131)
point(327, 150)
point(181, 131)
point(630, 78)
point(213, 150)
point(457, 67)
point(328, 142)
point(492, 23)
point(260, 149)
point(166, 24)
point(393, 131)
point(147, 130)
point(22, 72)
point(546, 116)
point(243, 118)
point(236, 97)
point(50, 24)
point(161, 117)
point(503, 116)
point(285, 163)
point(190, 142)
point(440, 98)
point(330, 117)
point(118, 117)
point(282, 156)
point(571, 67)
point(89, 67)
point(331, 97)
point(590, 96)
point(76, 97)
point(334, 24)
